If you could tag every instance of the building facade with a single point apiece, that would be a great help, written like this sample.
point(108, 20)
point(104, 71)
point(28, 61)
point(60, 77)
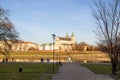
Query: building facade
point(24, 46)
point(61, 43)
point(65, 43)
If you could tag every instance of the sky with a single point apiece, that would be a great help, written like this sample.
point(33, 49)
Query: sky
point(36, 20)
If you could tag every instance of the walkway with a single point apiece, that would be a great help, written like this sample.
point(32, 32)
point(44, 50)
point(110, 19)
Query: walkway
point(77, 72)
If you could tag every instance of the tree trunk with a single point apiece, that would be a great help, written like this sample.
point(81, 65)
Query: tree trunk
point(114, 67)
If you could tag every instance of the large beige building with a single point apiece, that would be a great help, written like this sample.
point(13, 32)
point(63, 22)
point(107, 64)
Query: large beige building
point(61, 43)
point(65, 43)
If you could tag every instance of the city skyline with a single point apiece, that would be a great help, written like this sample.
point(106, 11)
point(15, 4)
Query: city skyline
point(36, 20)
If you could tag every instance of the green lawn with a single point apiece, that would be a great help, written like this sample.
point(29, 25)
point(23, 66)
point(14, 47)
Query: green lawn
point(99, 68)
point(23, 76)
point(31, 71)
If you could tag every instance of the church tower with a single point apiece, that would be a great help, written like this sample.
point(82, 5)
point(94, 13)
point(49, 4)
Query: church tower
point(67, 36)
point(73, 38)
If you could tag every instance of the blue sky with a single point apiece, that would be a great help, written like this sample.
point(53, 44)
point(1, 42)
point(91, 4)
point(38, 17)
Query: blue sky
point(36, 20)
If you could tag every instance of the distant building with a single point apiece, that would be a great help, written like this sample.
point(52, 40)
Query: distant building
point(24, 46)
point(65, 43)
point(61, 43)
point(18, 46)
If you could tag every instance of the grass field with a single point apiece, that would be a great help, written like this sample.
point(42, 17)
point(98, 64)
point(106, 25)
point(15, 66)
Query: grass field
point(31, 71)
point(100, 68)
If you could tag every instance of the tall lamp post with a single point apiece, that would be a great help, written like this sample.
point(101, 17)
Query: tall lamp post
point(59, 54)
point(53, 36)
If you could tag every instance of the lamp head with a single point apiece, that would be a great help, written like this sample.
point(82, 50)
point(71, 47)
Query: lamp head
point(53, 35)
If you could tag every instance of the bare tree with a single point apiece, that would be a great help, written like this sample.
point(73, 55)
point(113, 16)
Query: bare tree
point(8, 33)
point(107, 17)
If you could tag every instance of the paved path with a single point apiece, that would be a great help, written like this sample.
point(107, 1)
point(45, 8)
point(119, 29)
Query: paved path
point(77, 72)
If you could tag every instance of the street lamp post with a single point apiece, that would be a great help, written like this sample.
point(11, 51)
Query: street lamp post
point(59, 54)
point(53, 36)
